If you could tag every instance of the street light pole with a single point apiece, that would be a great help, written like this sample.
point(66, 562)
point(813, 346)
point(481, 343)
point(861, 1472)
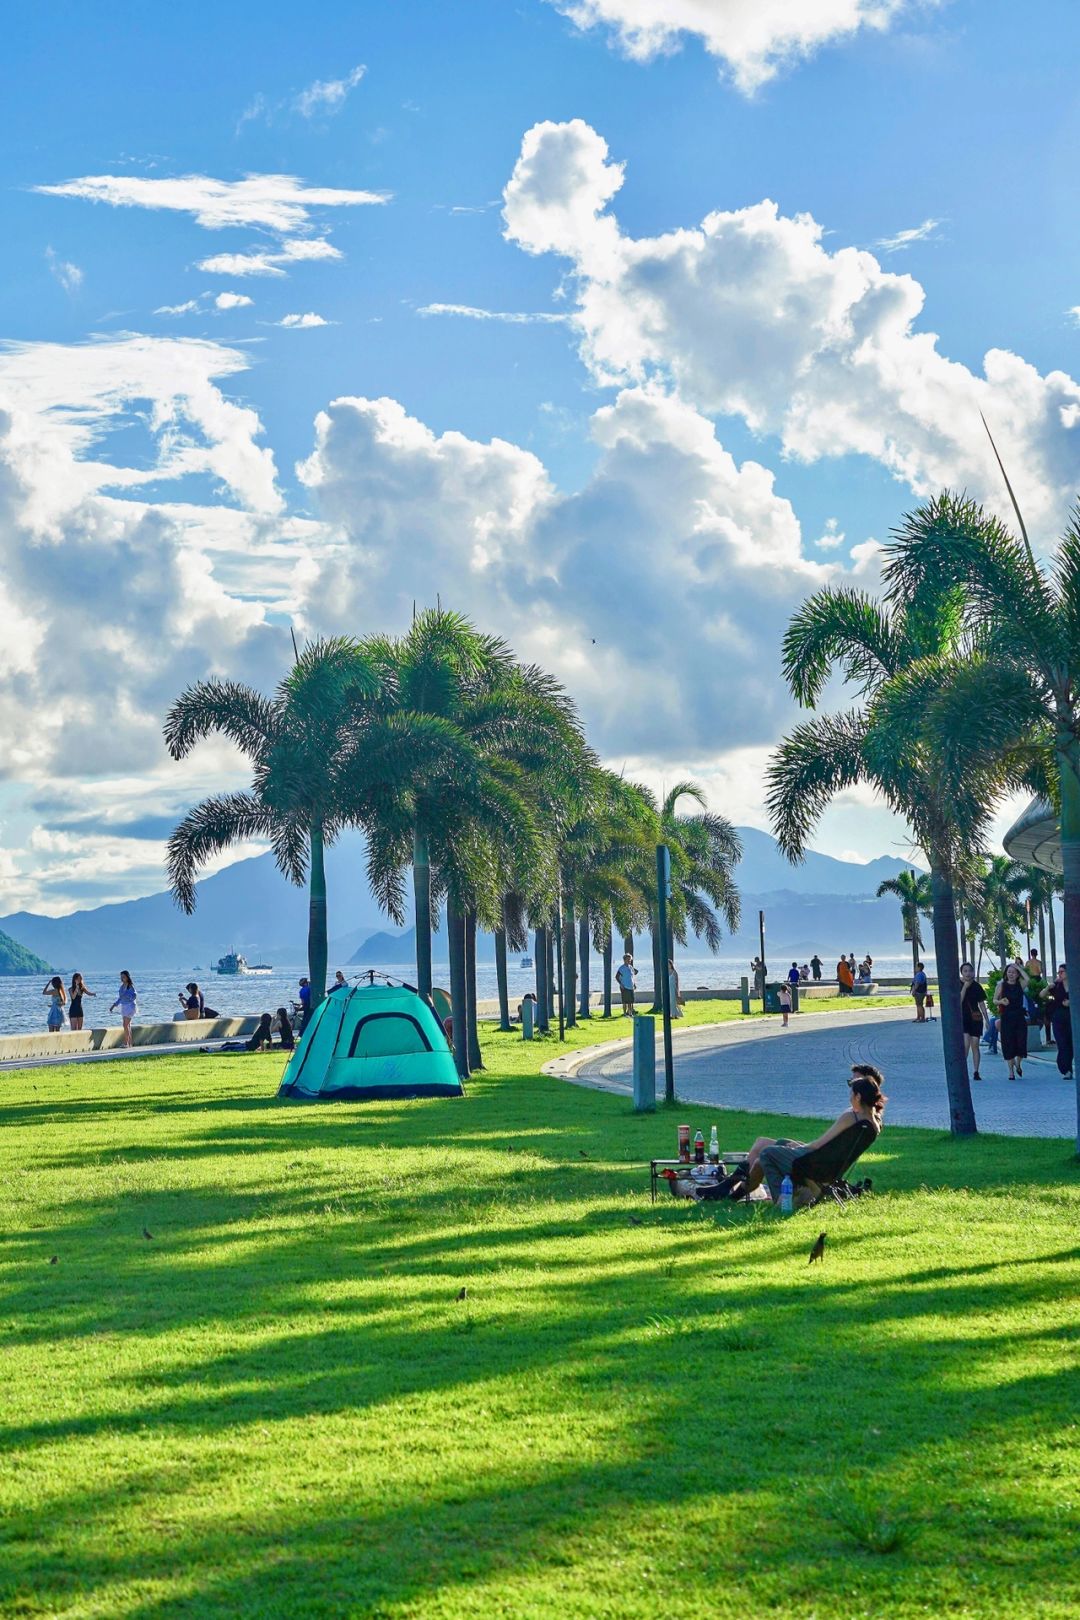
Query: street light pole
point(764, 971)
point(663, 885)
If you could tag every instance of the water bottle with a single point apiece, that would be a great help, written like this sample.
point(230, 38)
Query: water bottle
point(787, 1195)
point(714, 1147)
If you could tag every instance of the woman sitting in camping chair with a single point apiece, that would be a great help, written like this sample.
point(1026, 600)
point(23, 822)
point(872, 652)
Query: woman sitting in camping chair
point(771, 1159)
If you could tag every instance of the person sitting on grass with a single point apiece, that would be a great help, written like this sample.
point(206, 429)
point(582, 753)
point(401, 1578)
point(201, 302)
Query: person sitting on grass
point(771, 1158)
point(282, 1028)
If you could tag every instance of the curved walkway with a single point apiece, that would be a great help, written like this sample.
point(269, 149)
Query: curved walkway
point(804, 1070)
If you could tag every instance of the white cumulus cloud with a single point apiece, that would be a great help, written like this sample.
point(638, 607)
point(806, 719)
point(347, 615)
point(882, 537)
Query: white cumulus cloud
point(299, 321)
point(231, 300)
point(261, 262)
point(278, 202)
point(753, 38)
point(749, 314)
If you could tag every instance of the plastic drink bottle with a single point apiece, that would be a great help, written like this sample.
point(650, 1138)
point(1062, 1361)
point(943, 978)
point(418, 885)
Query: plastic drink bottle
point(714, 1148)
point(699, 1149)
point(787, 1195)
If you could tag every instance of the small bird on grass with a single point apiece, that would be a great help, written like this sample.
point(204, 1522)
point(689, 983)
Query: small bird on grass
point(583, 1153)
point(148, 1235)
point(818, 1251)
point(53, 1258)
point(634, 1221)
point(462, 1293)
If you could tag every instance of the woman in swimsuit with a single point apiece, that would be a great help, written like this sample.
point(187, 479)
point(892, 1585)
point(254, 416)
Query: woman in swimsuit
point(972, 1013)
point(1012, 1018)
point(57, 997)
point(75, 1007)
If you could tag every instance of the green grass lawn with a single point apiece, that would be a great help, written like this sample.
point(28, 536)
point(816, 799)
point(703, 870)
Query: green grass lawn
point(276, 1406)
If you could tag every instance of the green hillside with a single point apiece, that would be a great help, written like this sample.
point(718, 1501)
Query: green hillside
point(15, 958)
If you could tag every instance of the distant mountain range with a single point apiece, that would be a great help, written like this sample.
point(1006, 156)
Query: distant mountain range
point(825, 904)
point(15, 958)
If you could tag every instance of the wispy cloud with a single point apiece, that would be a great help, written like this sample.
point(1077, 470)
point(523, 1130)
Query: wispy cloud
point(904, 239)
point(302, 322)
point(220, 301)
point(327, 96)
point(278, 202)
point(512, 317)
point(67, 274)
point(262, 263)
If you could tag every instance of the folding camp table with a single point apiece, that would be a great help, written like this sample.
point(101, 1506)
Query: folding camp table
point(727, 1161)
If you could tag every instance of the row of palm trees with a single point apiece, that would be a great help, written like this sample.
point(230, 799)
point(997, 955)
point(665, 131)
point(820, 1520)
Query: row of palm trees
point(998, 900)
point(471, 778)
point(967, 680)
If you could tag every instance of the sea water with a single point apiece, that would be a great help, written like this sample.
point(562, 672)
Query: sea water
point(24, 1008)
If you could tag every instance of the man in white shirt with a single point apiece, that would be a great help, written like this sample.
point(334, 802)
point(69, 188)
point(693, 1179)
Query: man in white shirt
point(625, 976)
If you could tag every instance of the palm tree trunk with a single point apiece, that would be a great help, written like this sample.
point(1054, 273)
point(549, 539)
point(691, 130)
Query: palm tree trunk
point(628, 945)
point(540, 959)
point(422, 909)
point(583, 965)
point(1042, 935)
point(317, 947)
point(913, 922)
point(1053, 938)
point(961, 1112)
point(960, 929)
point(549, 941)
point(500, 975)
point(609, 955)
point(570, 970)
point(475, 1060)
point(1068, 760)
point(459, 997)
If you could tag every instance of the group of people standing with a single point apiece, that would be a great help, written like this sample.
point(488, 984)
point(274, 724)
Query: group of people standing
point(1015, 1009)
point(72, 998)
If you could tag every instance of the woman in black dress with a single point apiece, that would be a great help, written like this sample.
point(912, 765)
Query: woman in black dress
point(1057, 995)
point(75, 1003)
point(1012, 1018)
point(973, 1013)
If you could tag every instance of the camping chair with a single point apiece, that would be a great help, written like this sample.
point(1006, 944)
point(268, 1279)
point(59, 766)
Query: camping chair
point(827, 1166)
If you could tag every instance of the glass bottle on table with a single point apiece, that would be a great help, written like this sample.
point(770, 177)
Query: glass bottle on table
point(714, 1147)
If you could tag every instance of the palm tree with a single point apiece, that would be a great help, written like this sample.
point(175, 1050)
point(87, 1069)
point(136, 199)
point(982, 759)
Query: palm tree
point(913, 890)
point(1043, 888)
point(302, 743)
point(1024, 668)
point(704, 849)
point(1002, 885)
point(873, 645)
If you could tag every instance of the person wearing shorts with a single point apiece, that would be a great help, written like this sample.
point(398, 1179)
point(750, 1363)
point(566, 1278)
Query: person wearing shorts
point(625, 976)
point(919, 987)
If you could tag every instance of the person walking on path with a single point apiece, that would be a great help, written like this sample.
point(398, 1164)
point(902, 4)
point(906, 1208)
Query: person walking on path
point(75, 1003)
point(1012, 1018)
point(673, 990)
point(626, 978)
point(1056, 996)
point(919, 986)
point(128, 1002)
point(816, 965)
point(973, 1014)
point(784, 994)
point(57, 1000)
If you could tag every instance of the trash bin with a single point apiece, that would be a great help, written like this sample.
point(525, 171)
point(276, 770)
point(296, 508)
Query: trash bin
point(772, 998)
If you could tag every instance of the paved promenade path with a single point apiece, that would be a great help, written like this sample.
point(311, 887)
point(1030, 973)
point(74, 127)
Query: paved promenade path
point(804, 1070)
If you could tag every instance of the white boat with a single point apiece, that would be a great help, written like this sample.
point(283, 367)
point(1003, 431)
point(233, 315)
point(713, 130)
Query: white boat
point(232, 962)
point(526, 962)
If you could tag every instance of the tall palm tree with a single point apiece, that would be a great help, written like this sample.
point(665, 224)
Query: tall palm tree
point(872, 644)
point(302, 743)
point(704, 849)
point(1024, 668)
point(1003, 885)
point(914, 892)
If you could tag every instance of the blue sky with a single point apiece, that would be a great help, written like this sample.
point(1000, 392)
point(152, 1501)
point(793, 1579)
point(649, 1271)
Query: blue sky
point(155, 528)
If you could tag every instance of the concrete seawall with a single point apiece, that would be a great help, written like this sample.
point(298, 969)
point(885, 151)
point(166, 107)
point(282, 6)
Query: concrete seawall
point(73, 1042)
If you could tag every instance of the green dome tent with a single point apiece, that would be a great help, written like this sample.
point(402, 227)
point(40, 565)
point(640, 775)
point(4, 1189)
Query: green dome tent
point(371, 1041)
